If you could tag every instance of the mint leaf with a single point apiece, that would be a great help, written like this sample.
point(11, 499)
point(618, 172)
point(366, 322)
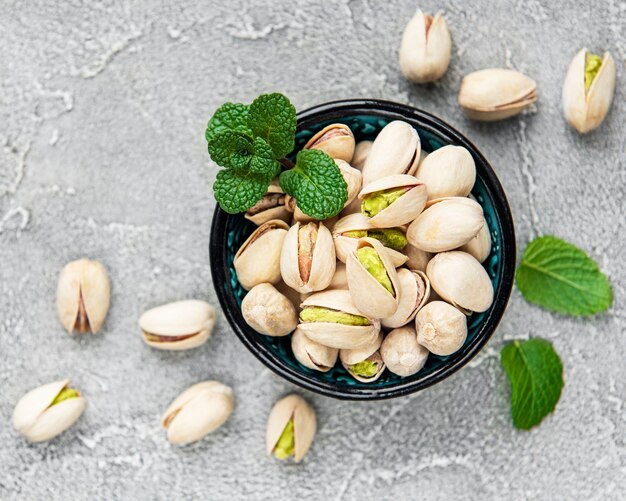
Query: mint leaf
point(316, 183)
point(535, 372)
point(263, 162)
point(231, 149)
point(237, 191)
point(560, 277)
point(232, 116)
point(273, 118)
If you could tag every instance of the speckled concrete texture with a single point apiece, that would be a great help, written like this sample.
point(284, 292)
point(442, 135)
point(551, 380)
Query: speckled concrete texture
point(103, 106)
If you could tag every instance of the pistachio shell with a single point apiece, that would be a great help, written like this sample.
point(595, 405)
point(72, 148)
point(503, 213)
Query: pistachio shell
point(448, 172)
point(380, 368)
point(340, 278)
point(417, 258)
point(313, 355)
point(198, 411)
point(349, 357)
point(304, 424)
point(336, 140)
point(258, 259)
point(268, 311)
point(401, 352)
point(292, 295)
point(461, 280)
point(352, 177)
point(480, 245)
point(441, 328)
point(446, 225)
point(414, 293)
point(361, 151)
point(271, 206)
point(425, 49)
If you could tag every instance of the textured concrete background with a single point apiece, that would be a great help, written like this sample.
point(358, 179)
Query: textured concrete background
point(103, 107)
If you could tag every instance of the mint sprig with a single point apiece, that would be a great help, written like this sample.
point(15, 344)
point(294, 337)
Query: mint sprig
point(235, 189)
point(273, 118)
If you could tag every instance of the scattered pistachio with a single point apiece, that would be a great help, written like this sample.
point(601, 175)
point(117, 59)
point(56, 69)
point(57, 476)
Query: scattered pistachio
point(291, 427)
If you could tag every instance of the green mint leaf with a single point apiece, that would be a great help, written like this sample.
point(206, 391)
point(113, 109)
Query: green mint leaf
point(535, 372)
point(263, 162)
point(237, 191)
point(560, 277)
point(232, 116)
point(316, 183)
point(273, 118)
point(231, 149)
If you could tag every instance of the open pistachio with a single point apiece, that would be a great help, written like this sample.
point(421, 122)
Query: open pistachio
point(198, 411)
point(461, 280)
point(83, 296)
point(480, 245)
point(401, 352)
point(364, 364)
point(441, 328)
point(414, 293)
point(47, 411)
point(447, 224)
point(393, 200)
point(330, 318)
point(588, 90)
point(496, 94)
point(307, 260)
point(181, 325)
point(396, 150)
point(291, 428)
point(271, 206)
point(425, 49)
point(258, 259)
point(311, 354)
point(448, 172)
point(268, 311)
point(360, 154)
point(336, 140)
point(372, 279)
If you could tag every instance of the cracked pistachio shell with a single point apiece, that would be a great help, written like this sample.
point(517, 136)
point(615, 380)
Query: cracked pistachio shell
point(335, 335)
point(368, 294)
point(353, 179)
point(38, 420)
point(441, 328)
point(406, 208)
point(360, 154)
point(336, 140)
point(198, 411)
point(268, 311)
point(349, 357)
point(396, 150)
point(313, 355)
point(425, 49)
point(344, 245)
point(446, 224)
point(448, 172)
point(271, 206)
point(83, 296)
point(414, 293)
point(374, 357)
point(304, 424)
point(495, 94)
point(461, 280)
point(181, 325)
point(258, 259)
point(480, 245)
point(585, 109)
point(401, 352)
point(417, 258)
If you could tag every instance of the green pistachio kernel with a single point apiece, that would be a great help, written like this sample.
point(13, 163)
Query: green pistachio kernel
point(372, 262)
point(355, 233)
point(374, 203)
point(591, 69)
point(286, 443)
point(365, 368)
point(65, 394)
point(319, 314)
point(391, 237)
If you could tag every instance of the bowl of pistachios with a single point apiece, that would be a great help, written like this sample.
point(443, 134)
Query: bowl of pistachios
point(376, 274)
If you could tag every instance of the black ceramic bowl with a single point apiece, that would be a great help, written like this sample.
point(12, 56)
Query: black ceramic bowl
point(366, 118)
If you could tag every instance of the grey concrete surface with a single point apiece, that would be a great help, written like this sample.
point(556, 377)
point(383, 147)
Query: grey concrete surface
point(102, 113)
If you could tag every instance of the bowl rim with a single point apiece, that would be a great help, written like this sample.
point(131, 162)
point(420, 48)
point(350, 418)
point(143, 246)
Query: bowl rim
point(387, 110)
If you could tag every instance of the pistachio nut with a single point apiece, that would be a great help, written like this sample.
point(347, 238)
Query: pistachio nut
point(417, 258)
point(393, 200)
point(448, 172)
point(480, 245)
point(268, 311)
point(330, 318)
point(258, 259)
point(396, 150)
point(372, 279)
point(349, 229)
point(340, 278)
point(364, 364)
point(291, 428)
point(198, 411)
point(425, 49)
point(336, 140)
point(447, 224)
point(588, 90)
point(83, 296)
point(352, 177)
point(401, 352)
point(294, 297)
point(307, 260)
point(460, 280)
point(271, 206)
point(181, 325)
point(414, 293)
point(441, 328)
point(495, 94)
point(47, 411)
point(313, 355)
point(360, 154)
